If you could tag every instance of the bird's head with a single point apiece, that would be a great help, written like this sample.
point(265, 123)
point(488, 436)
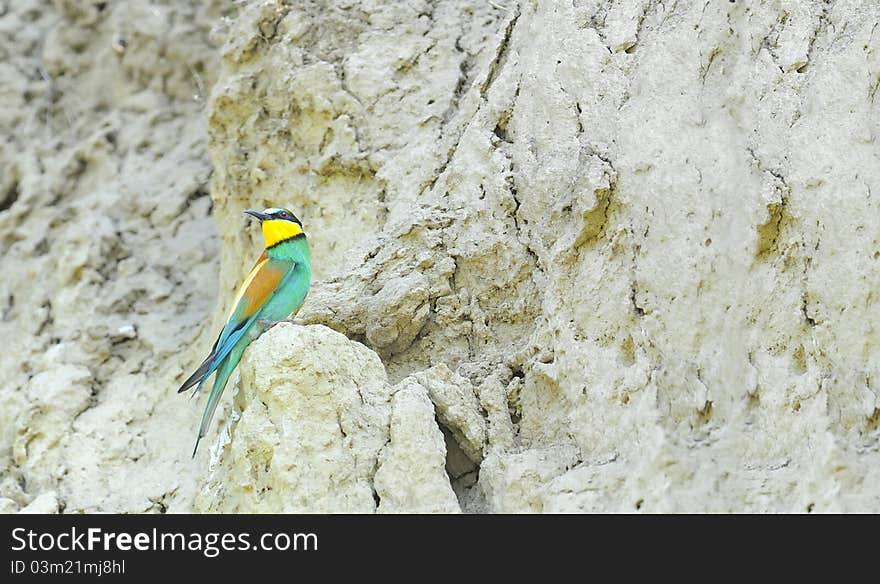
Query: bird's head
point(278, 225)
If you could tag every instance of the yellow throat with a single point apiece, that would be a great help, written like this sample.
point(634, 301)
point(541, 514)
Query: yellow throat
point(276, 230)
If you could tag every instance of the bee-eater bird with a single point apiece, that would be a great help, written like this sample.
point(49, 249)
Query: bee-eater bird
point(274, 289)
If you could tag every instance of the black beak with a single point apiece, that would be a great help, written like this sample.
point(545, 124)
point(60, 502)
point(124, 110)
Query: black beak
point(258, 215)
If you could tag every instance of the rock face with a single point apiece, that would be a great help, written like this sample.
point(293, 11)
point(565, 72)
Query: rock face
point(108, 249)
point(411, 475)
point(603, 255)
point(317, 424)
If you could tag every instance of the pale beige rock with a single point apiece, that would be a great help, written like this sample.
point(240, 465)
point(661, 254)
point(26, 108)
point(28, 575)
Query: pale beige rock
point(628, 248)
point(500, 431)
point(313, 415)
point(632, 217)
point(108, 249)
point(317, 430)
point(58, 396)
point(46, 503)
point(411, 477)
point(458, 408)
point(7, 506)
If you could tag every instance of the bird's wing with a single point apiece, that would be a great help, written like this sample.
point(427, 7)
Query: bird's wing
point(258, 275)
point(264, 278)
point(262, 281)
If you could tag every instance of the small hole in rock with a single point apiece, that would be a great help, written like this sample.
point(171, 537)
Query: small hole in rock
point(9, 197)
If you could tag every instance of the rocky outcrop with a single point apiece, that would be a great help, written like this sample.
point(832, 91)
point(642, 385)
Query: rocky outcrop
point(318, 428)
point(593, 256)
point(612, 219)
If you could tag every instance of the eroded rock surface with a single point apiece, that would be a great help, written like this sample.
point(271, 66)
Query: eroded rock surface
point(318, 428)
point(603, 255)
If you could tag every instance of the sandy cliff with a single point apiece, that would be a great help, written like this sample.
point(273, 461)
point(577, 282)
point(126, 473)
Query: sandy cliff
point(607, 255)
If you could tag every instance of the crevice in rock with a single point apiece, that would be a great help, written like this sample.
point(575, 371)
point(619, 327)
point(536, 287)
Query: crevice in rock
point(704, 70)
point(872, 422)
point(459, 91)
point(10, 196)
point(521, 236)
point(500, 57)
point(500, 129)
point(770, 40)
point(821, 27)
point(647, 7)
point(269, 28)
point(464, 68)
point(47, 321)
point(160, 504)
point(805, 309)
point(872, 90)
point(769, 232)
point(343, 82)
point(640, 312)
point(10, 306)
point(501, 125)
point(377, 499)
point(428, 185)
point(463, 473)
